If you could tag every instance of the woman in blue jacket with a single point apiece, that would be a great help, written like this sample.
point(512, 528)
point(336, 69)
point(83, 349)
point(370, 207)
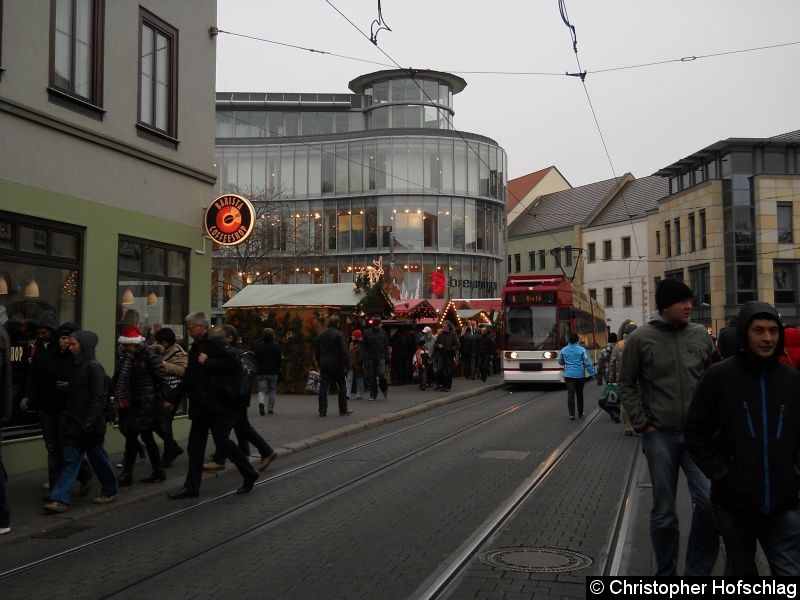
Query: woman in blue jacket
point(574, 358)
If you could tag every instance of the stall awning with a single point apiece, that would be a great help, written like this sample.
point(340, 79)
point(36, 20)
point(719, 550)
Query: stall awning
point(296, 294)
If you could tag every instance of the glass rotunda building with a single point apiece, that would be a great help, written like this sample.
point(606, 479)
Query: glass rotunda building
point(342, 180)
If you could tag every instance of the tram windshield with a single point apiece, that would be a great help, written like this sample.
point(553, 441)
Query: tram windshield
point(531, 328)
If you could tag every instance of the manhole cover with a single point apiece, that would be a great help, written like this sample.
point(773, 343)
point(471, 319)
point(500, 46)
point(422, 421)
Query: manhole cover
point(535, 560)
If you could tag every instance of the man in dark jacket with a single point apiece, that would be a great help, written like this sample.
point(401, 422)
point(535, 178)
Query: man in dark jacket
point(212, 383)
point(375, 349)
point(444, 356)
point(334, 361)
point(268, 362)
point(84, 426)
point(664, 360)
point(743, 431)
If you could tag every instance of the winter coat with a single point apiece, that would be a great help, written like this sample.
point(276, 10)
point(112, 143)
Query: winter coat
point(356, 361)
point(147, 392)
point(375, 344)
point(175, 360)
point(727, 341)
point(575, 358)
point(213, 387)
point(331, 351)
point(660, 372)
point(604, 361)
point(449, 343)
point(268, 357)
point(49, 394)
point(38, 356)
point(615, 361)
point(84, 415)
point(743, 427)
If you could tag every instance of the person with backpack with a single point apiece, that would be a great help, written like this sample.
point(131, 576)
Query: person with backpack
point(242, 428)
point(84, 426)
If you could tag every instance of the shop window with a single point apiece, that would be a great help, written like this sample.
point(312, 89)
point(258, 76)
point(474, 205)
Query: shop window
point(153, 286)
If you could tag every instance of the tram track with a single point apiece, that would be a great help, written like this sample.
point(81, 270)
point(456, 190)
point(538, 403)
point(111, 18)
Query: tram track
point(288, 513)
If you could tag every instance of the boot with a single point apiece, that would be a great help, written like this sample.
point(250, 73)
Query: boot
point(155, 476)
point(125, 479)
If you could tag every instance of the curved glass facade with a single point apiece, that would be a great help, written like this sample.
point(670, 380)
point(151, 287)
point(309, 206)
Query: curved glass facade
point(331, 204)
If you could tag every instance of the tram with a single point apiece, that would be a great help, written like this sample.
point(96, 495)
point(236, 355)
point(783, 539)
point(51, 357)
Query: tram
point(539, 313)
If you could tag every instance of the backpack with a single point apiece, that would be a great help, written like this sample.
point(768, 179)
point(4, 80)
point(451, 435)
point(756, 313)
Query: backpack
point(249, 373)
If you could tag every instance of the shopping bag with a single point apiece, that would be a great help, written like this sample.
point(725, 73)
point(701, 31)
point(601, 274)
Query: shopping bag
point(609, 400)
point(312, 382)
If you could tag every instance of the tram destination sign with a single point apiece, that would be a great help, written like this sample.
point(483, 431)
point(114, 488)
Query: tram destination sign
point(530, 298)
point(230, 220)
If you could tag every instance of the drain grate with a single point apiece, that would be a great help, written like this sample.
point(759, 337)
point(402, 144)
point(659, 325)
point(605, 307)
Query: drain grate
point(535, 560)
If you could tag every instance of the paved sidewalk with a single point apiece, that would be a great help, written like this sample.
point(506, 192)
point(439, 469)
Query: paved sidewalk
point(295, 426)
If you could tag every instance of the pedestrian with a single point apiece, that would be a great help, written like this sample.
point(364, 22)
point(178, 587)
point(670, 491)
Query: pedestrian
point(743, 431)
point(356, 371)
point(375, 349)
point(469, 341)
point(576, 362)
point(445, 351)
point(430, 342)
point(482, 350)
point(662, 364)
point(5, 414)
point(212, 383)
point(269, 361)
point(84, 426)
point(333, 361)
point(400, 355)
point(245, 434)
point(174, 358)
point(48, 395)
point(614, 366)
point(728, 339)
point(140, 391)
point(421, 362)
point(604, 359)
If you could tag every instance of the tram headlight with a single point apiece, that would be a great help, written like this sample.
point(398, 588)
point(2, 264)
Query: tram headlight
point(549, 355)
point(512, 355)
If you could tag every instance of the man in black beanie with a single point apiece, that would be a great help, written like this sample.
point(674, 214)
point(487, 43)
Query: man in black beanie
point(664, 360)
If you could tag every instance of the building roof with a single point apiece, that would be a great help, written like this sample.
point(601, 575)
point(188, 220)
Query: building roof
point(633, 200)
point(791, 136)
point(563, 209)
point(296, 294)
point(455, 82)
point(520, 187)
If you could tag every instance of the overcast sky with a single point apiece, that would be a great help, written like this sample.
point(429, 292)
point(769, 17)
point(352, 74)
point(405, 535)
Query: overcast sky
point(650, 116)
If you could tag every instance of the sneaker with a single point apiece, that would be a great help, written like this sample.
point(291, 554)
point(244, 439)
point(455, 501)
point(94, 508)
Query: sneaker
point(372, 398)
point(265, 460)
point(5, 530)
point(261, 409)
point(105, 499)
point(56, 507)
point(213, 466)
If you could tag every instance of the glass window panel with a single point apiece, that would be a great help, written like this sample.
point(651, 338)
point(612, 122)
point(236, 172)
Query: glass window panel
point(64, 245)
point(369, 153)
point(785, 283)
point(244, 181)
point(341, 122)
point(470, 225)
point(271, 121)
point(308, 123)
point(397, 90)
point(413, 91)
point(444, 94)
point(355, 166)
point(259, 173)
point(176, 264)
point(287, 172)
point(481, 212)
point(370, 224)
point(483, 168)
point(325, 122)
point(785, 228)
point(154, 260)
point(329, 226)
point(458, 224)
point(460, 167)
point(431, 167)
point(32, 239)
point(343, 218)
point(83, 48)
point(445, 224)
point(301, 171)
point(328, 168)
point(224, 124)
point(161, 78)
point(379, 118)
point(431, 117)
point(291, 123)
point(385, 221)
point(130, 256)
point(6, 235)
point(380, 91)
point(146, 80)
point(400, 165)
point(342, 168)
point(383, 167)
point(357, 225)
point(415, 162)
point(473, 171)
point(314, 171)
point(63, 44)
point(446, 161)
point(430, 223)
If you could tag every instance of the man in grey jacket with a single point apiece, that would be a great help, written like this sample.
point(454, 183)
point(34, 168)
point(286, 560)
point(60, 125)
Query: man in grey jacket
point(664, 360)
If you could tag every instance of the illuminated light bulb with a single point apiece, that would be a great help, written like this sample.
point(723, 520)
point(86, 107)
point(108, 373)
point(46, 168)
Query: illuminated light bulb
point(127, 296)
point(152, 299)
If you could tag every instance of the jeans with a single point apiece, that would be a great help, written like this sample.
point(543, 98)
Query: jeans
point(5, 500)
point(666, 453)
point(779, 535)
point(326, 378)
point(267, 386)
point(376, 371)
point(51, 433)
point(574, 387)
point(359, 384)
point(72, 463)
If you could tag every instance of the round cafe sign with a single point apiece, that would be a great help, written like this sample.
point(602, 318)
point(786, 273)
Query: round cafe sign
point(230, 219)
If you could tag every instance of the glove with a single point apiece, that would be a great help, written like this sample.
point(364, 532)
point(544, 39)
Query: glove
point(23, 404)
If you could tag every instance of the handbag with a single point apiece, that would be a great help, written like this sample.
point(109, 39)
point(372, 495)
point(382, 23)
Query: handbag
point(312, 382)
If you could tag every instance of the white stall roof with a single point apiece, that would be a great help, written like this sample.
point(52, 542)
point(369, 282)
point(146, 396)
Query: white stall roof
point(296, 294)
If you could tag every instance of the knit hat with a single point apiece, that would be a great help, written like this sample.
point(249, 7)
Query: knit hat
point(67, 328)
point(356, 334)
point(670, 291)
point(426, 329)
point(131, 335)
point(47, 320)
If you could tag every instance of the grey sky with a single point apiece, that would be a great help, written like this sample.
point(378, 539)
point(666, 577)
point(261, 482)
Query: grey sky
point(650, 116)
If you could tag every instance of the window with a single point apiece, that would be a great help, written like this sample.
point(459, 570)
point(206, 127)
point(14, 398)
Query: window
point(677, 236)
point(627, 295)
point(568, 256)
point(607, 250)
point(785, 228)
point(626, 247)
point(158, 76)
point(700, 282)
point(668, 238)
point(76, 54)
point(517, 263)
point(556, 253)
point(785, 277)
point(592, 252)
point(532, 260)
point(675, 274)
point(703, 229)
point(593, 294)
point(658, 242)
point(508, 263)
point(609, 294)
point(542, 258)
point(692, 234)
